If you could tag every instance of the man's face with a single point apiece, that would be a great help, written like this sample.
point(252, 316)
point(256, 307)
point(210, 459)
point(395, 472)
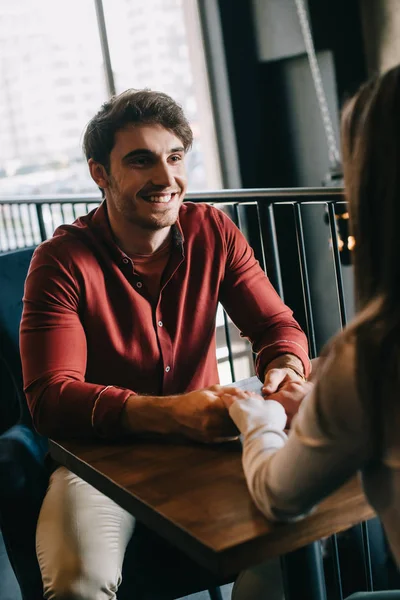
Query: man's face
point(147, 179)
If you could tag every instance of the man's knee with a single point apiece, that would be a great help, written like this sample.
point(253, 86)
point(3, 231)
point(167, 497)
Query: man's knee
point(76, 583)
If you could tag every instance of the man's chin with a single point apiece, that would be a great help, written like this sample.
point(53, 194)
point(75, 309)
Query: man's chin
point(155, 223)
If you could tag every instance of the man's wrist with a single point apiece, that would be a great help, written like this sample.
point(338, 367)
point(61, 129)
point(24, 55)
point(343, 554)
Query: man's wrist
point(287, 361)
point(148, 414)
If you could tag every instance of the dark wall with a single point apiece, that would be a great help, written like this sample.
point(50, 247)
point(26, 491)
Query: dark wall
point(272, 93)
point(244, 83)
point(278, 125)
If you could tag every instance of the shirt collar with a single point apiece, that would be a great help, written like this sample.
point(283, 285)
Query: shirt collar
point(100, 222)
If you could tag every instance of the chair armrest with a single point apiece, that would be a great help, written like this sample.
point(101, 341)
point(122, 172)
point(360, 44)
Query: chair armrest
point(22, 462)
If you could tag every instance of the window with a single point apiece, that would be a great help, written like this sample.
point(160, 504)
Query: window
point(166, 54)
point(41, 44)
point(52, 70)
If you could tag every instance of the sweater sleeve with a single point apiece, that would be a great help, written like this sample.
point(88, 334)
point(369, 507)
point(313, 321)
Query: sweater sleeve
point(329, 441)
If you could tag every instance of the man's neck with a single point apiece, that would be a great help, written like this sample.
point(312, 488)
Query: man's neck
point(148, 244)
point(135, 240)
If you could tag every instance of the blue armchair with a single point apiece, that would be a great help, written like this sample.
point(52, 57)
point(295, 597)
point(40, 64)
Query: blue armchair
point(23, 476)
point(161, 572)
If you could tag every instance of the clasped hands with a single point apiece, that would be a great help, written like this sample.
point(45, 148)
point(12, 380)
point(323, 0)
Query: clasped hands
point(282, 385)
point(204, 415)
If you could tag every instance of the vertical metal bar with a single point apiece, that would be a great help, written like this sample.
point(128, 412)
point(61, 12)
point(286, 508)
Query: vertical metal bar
point(3, 227)
point(42, 228)
point(28, 224)
point(14, 224)
point(105, 49)
point(53, 215)
point(53, 222)
point(337, 264)
point(34, 220)
point(269, 245)
point(367, 557)
point(305, 279)
point(273, 240)
point(303, 574)
point(21, 223)
point(71, 212)
point(336, 567)
point(262, 240)
point(58, 215)
point(63, 213)
point(71, 207)
point(9, 226)
point(229, 346)
point(239, 218)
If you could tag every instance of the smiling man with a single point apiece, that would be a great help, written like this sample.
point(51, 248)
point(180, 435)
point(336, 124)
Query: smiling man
point(118, 328)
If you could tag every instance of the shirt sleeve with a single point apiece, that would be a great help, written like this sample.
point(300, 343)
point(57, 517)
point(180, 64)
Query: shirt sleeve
point(329, 441)
point(54, 355)
point(255, 307)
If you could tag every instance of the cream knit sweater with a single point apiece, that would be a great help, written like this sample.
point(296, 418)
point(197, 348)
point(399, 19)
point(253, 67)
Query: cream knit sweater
point(330, 441)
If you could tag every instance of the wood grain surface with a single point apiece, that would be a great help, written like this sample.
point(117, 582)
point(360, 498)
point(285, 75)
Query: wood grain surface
point(196, 497)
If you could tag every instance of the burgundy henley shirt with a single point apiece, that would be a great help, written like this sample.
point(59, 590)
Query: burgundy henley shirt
point(91, 336)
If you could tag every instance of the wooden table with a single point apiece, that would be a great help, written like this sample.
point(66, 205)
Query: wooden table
point(196, 497)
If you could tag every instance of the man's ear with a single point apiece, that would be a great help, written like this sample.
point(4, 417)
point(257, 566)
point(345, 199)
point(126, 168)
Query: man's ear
point(98, 173)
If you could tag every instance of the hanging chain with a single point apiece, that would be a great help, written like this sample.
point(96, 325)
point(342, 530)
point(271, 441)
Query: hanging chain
point(334, 156)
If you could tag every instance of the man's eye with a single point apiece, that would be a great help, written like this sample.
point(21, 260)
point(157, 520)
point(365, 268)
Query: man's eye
point(139, 161)
point(176, 158)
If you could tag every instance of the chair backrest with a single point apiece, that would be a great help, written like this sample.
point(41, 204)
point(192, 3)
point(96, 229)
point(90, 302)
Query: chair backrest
point(13, 270)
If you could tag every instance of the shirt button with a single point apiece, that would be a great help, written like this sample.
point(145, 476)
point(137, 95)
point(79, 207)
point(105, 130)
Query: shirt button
point(139, 284)
point(125, 261)
point(160, 323)
point(167, 369)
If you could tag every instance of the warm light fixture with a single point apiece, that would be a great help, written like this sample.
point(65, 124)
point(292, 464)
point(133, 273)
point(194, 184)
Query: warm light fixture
point(346, 242)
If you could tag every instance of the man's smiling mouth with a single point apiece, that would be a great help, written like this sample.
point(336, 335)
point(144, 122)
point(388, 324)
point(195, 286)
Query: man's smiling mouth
point(160, 198)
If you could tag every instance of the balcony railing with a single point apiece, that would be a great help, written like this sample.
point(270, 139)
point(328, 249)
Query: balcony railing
point(293, 233)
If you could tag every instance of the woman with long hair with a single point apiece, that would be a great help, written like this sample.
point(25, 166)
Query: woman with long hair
point(349, 420)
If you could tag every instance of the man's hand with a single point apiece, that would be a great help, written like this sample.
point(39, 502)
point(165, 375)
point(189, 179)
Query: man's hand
point(202, 415)
point(278, 377)
point(291, 395)
point(284, 383)
point(199, 415)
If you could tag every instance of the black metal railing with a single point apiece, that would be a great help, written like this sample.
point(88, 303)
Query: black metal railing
point(281, 226)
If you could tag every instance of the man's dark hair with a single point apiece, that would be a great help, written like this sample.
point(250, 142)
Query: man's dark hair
point(136, 107)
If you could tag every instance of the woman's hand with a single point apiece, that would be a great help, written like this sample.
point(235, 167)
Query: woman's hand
point(230, 396)
point(290, 395)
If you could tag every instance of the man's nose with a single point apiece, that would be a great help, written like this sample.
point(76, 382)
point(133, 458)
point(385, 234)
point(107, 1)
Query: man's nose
point(162, 175)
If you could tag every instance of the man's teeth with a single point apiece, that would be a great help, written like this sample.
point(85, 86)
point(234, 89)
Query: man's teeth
point(163, 199)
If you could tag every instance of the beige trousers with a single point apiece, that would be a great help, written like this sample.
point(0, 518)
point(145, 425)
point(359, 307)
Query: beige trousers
point(81, 539)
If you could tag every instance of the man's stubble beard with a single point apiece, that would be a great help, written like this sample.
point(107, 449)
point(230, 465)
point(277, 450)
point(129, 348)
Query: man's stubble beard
point(130, 213)
point(151, 223)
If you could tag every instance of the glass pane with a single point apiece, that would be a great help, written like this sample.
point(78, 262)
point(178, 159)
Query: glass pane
point(157, 44)
point(51, 84)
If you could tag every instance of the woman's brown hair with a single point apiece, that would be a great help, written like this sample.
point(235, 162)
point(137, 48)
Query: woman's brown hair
point(371, 157)
point(371, 160)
